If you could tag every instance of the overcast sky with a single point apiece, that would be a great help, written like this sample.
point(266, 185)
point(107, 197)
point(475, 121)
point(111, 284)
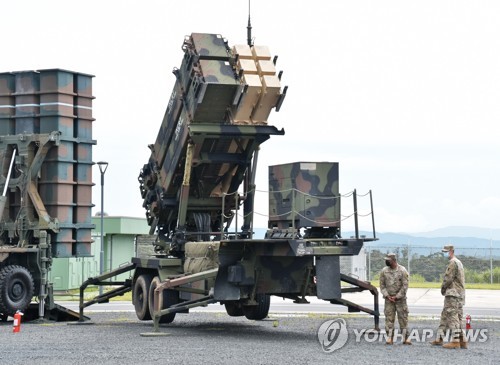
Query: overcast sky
point(405, 95)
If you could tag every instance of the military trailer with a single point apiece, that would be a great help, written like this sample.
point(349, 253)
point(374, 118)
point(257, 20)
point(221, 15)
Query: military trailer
point(198, 190)
point(46, 180)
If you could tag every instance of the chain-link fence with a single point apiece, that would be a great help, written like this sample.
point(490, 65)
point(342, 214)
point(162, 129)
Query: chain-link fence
point(427, 264)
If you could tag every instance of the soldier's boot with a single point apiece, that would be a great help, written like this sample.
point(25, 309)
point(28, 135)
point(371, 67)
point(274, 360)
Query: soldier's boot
point(389, 341)
point(463, 341)
point(454, 344)
point(438, 341)
point(407, 341)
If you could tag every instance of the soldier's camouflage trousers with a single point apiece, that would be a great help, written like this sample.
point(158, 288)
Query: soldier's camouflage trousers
point(451, 317)
point(390, 309)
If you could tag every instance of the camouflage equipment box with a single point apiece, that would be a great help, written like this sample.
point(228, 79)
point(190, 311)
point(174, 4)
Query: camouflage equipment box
point(304, 195)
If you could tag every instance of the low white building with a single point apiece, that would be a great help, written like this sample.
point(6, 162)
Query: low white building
point(354, 266)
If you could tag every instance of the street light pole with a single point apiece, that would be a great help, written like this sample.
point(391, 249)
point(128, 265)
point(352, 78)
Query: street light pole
point(103, 166)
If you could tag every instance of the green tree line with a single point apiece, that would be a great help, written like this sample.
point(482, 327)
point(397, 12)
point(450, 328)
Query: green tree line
point(431, 268)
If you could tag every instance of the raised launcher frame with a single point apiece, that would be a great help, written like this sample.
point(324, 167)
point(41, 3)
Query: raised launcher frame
point(208, 142)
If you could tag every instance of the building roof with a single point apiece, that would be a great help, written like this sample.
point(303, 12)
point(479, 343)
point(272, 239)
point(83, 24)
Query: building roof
point(121, 225)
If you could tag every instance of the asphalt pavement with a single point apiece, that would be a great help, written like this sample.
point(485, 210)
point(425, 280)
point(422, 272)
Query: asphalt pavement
point(291, 335)
point(214, 338)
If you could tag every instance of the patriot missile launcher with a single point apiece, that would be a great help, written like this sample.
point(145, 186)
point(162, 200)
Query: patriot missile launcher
point(201, 176)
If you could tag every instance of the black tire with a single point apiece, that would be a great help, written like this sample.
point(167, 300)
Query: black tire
point(140, 296)
point(16, 289)
point(234, 309)
point(259, 311)
point(170, 297)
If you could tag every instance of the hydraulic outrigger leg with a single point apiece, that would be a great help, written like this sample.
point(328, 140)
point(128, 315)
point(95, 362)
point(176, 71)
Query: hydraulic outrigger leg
point(359, 286)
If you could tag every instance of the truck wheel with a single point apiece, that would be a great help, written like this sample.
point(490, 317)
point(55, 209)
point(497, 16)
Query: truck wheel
point(234, 309)
point(16, 289)
point(170, 297)
point(259, 311)
point(140, 297)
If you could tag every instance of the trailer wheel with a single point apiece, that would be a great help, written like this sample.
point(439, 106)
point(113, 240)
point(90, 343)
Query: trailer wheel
point(170, 297)
point(16, 289)
point(140, 297)
point(259, 311)
point(234, 309)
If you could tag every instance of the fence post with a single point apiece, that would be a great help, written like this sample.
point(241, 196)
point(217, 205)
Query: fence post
point(355, 203)
point(373, 215)
point(408, 253)
point(369, 264)
point(491, 261)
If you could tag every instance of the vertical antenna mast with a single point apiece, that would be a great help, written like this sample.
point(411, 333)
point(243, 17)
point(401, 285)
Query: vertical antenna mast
point(249, 28)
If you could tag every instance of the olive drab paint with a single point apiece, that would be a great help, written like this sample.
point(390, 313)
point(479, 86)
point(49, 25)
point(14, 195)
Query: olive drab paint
point(46, 125)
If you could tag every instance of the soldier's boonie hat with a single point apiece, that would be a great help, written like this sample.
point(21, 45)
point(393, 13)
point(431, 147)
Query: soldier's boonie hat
point(448, 248)
point(390, 256)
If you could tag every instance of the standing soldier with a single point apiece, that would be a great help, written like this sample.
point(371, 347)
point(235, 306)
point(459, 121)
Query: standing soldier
point(453, 289)
point(393, 286)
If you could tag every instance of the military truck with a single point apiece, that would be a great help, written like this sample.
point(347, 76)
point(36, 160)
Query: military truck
point(46, 180)
point(200, 179)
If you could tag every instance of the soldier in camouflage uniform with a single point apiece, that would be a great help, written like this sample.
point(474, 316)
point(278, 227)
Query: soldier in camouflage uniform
point(393, 286)
point(453, 289)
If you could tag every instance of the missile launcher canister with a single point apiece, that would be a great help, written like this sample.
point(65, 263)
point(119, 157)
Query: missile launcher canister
point(215, 120)
point(46, 175)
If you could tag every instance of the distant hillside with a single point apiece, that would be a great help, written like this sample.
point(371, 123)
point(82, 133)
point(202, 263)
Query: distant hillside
point(457, 236)
point(424, 243)
point(471, 246)
point(400, 239)
point(462, 231)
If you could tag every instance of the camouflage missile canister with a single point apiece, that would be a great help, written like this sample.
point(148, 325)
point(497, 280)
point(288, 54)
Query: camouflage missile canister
point(51, 106)
point(219, 106)
point(304, 195)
